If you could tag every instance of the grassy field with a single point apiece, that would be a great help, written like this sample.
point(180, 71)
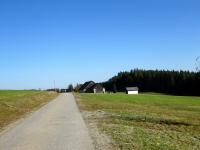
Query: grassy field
point(146, 121)
point(15, 104)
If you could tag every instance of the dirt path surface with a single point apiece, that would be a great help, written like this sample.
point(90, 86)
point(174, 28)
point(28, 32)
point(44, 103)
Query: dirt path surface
point(56, 126)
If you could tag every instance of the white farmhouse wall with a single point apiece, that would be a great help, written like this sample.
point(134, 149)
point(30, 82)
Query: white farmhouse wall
point(132, 92)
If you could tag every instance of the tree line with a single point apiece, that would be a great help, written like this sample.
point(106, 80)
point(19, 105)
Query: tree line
point(162, 81)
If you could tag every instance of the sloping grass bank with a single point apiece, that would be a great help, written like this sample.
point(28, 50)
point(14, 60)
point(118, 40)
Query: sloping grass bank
point(15, 104)
point(146, 121)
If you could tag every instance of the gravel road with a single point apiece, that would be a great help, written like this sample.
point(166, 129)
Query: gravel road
point(56, 126)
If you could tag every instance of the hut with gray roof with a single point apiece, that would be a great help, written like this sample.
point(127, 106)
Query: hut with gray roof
point(132, 90)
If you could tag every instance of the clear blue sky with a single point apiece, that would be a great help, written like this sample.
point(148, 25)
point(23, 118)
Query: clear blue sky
point(74, 41)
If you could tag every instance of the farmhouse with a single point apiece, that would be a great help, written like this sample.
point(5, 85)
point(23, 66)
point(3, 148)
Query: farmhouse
point(91, 87)
point(87, 85)
point(96, 88)
point(132, 90)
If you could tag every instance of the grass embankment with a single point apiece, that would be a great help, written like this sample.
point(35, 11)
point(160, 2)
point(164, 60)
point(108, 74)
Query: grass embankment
point(15, 104)
point(147, 121)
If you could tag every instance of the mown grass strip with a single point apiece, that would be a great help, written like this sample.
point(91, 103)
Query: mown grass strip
point(147, 121)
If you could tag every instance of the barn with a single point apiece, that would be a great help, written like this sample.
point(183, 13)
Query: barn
point(132, 90)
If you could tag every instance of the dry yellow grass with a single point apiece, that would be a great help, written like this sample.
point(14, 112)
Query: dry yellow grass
point(15, 104)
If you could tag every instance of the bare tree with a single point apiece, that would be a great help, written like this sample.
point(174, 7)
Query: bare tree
point(198, 64)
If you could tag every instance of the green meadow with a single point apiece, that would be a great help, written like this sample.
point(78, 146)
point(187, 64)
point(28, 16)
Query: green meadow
point(146, 121)
point(14, 104)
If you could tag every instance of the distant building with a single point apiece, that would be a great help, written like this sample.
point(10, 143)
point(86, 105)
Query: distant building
point(91, 87)
point(132, 90)
point(64, 90)
point(54, 90)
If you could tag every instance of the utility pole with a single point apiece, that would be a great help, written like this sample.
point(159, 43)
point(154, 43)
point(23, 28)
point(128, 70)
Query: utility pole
point(54, 82)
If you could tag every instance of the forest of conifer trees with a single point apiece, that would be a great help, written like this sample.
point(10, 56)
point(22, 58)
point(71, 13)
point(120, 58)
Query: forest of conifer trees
point(162, 81)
